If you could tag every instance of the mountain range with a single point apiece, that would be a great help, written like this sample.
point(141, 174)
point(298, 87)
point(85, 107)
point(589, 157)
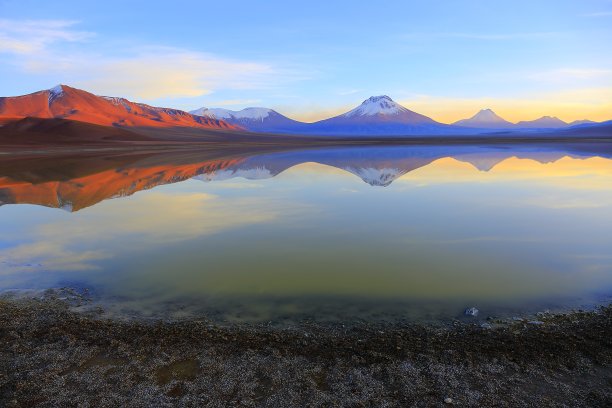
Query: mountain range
point(375, 116)
point(378, 116)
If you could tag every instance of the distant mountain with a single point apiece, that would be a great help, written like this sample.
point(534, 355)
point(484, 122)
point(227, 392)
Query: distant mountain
point(599, 129)
point(252, 119)
point(376, 116)
point(582, 122)
point(70, 103)
point(545, 122)
point(379, 116)
point(485, 119)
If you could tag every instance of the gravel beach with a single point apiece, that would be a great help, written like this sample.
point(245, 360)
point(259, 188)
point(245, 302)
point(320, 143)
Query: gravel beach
point(52, 356)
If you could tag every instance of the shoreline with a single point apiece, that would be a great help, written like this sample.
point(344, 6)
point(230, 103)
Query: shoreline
point(50, 354)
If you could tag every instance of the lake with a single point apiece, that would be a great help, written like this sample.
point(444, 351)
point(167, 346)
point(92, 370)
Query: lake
point(333, 234)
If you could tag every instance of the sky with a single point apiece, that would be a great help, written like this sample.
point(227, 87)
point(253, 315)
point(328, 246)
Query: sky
point(312, 60)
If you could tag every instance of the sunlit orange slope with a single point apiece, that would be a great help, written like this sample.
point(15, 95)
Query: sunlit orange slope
point(75, 104)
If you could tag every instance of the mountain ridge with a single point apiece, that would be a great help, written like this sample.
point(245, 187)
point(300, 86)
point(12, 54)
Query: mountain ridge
point(485, 119)
point(253, 119)
point(375, 116)
point(65, 102)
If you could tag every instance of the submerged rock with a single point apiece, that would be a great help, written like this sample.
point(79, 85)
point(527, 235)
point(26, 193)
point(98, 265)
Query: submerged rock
point(472, 311)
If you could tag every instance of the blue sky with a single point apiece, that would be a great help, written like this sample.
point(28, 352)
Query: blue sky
point(313, 59)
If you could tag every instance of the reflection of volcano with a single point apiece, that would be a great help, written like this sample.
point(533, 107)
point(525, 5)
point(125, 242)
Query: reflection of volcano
point(377, 177)
point(378, 166)
point(74, 183)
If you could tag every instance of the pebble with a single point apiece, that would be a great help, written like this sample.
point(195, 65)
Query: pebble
point(472, 311)
point(486, 326)
point(536, 322)
point(448, 400)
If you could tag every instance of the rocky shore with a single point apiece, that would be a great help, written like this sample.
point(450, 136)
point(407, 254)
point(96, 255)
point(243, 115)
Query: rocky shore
point(52, 356)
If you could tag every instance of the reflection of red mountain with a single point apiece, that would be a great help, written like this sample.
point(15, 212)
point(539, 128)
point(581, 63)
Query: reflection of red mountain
point(81, 179)
point(84, 191)
point(75, 104)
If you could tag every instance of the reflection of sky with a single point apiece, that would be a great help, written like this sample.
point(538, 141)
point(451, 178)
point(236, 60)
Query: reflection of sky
point(445, 230)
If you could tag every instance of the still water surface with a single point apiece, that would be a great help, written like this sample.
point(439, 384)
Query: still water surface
point(367, 233)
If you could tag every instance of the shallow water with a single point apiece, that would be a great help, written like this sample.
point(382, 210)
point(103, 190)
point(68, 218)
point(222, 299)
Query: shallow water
point(367, 233)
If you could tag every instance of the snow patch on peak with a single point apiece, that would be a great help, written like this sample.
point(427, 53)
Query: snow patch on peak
point(119, 101)
point(378, 98)
point(199, 112)
point(253, 113)
point(376, 177)
point(245, 114)
point(376, 105)
point(55, 93)
point(57, 89)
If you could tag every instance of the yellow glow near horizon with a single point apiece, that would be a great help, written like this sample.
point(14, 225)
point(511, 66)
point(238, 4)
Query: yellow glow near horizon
point(566, 171)
point(593, 103)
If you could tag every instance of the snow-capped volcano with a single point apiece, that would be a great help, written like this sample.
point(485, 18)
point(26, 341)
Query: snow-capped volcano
point(253, 119)
point(485, 119)
point(384, 108)
point(378, 115)
point(376, 105)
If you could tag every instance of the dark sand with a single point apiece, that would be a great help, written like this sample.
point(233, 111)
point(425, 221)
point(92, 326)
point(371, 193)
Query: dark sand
point(51, 356)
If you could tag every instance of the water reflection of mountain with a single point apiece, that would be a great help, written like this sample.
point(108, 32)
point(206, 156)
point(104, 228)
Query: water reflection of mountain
point(380, 166)
point(76, 182)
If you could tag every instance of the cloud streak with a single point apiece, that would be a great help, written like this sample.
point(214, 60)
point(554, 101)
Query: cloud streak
point(167, 72)
point(143, 72)
point(33, 36)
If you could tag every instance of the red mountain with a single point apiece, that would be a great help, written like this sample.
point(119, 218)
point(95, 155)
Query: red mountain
point(75, 104)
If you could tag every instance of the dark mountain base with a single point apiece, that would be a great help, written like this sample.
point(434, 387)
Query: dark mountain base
point(52, 357)
point(62, 133)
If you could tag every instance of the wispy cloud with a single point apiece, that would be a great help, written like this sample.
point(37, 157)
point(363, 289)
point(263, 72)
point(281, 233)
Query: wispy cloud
point(32, 36)
point(167, 72)
point(346, 92)
point(139, 71)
